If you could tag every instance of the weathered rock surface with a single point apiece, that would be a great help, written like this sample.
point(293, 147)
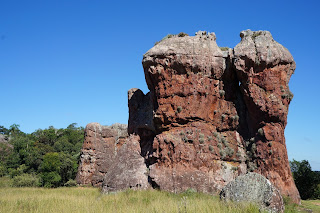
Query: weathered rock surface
point(264, 68)
point(100, 147)
point(219, 113)
point(128, 169)
point(255, 188)
point(210, 116)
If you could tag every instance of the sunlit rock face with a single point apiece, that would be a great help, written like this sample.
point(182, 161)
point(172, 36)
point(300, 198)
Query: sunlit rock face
point(219, 114)
point(211, 115)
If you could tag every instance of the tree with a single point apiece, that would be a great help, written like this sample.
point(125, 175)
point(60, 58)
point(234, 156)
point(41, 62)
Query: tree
point(304, 178)
point(50, 169)
point(3, 130)
point(14, 130)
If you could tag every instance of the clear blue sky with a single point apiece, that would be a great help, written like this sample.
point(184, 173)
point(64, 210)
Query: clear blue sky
point(74, 60)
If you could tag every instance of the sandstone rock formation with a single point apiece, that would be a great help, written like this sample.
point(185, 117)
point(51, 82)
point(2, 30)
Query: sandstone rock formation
point(210, 116)
point(100, 147)
point(255, 188)
point(128, 170)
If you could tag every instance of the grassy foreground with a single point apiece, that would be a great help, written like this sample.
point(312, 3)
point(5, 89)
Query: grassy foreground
point(80, 199)
point(91, 200)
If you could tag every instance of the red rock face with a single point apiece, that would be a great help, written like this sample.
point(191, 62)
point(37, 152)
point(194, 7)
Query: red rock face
point(218, 114)
point(209, 117)
point(264, 68)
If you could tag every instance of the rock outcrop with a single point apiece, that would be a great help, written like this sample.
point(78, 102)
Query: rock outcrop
point(101, 144)
point(211, 115)
point(254, 188)
point(219, 114)
point(128, 169)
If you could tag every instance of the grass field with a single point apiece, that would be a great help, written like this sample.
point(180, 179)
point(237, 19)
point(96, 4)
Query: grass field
point(81, 199)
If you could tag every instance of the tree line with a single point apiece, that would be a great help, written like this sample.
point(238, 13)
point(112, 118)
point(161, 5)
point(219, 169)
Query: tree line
point(47, 157)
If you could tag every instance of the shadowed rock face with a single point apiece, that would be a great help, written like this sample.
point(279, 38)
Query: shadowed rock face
point(101, 144)
point(210, 116)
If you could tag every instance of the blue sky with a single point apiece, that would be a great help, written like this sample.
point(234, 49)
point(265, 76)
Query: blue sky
point(74, 60)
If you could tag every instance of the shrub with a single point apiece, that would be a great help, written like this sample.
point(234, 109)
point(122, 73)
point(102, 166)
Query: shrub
point(222, 92)
point(26, 180)
point(3, 170)
point(70, 183)
point(51, 179)
point(179, 109)
point(224, 48)
point(256, 34)
point(223, 117)
point(238, 154)
point(201, 138)
point(253, 147)
point(235, 117)
point(260, 131)
point(229, 151)
point(211, 148)
point(223, 154)
point(224, 141)
point(182, 34)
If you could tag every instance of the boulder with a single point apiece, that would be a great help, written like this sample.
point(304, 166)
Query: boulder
point(255, 188)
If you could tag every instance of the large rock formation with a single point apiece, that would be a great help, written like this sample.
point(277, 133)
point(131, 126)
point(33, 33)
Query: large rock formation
point(210, 116)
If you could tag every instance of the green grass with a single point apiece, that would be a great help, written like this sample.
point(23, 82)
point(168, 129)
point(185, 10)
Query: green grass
point(314, 205)
point(85, 199)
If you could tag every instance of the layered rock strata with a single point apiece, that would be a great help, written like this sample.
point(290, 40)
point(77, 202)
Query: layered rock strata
point(210, 116)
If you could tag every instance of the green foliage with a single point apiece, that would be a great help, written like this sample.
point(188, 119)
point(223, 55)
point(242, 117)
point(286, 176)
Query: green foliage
point(224, 48)
point(305, 179)
point(51, 154)
point(179, 109)
point(3, 170)
point(26, 180)
point(260, 132)
point(18, 171)
point(4, 130)
point(70, 183)
point(222, 92)
point(50, 179)
point(182, 34)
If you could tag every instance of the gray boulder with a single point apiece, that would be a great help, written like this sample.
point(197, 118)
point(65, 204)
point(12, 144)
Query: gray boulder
point(255, 188)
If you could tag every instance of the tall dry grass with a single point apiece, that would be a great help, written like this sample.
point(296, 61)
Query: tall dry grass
point(91, 200)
